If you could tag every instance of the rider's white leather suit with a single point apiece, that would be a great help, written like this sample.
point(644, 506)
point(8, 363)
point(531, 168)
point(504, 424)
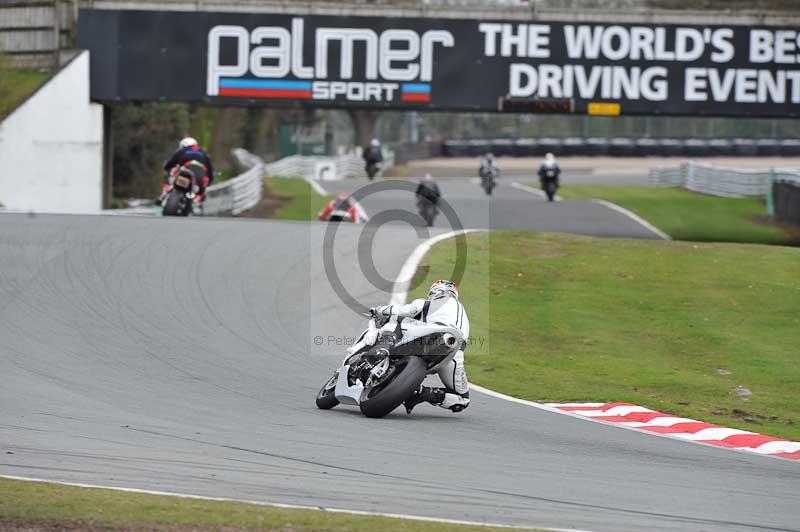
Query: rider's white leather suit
point(446, 310)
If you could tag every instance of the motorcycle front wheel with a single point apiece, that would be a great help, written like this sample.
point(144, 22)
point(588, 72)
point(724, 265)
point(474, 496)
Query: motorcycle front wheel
point(394, 388)
point(326, 398)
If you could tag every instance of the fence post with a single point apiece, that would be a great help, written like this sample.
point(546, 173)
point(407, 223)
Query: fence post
point(56, 35)
point(770, 198)
point(688, 176)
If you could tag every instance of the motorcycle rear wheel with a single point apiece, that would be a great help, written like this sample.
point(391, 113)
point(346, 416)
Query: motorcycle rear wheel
point(172, 205)
point(550, 190)
point(379, 400)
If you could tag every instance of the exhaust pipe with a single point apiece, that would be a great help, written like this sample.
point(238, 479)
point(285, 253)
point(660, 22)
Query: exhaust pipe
point(449, 339)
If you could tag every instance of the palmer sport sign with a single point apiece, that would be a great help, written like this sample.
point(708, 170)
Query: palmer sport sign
point(395, 65)
point(442, 64)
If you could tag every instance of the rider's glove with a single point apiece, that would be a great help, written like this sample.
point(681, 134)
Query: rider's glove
point(371, 336)
point(381, 310)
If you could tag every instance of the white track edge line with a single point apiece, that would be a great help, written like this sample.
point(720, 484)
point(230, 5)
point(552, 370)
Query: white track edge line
point(535, 192)
point(400, 294)
point(316, 186)
point(403, 281)
point(290, 506)
point(497, 395)
point(613, 206)
point(636, 218)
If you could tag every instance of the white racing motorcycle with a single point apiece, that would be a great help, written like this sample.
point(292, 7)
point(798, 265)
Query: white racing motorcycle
point(380, 377)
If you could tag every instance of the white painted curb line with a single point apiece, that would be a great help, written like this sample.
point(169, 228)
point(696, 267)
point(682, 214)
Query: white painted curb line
point(644, 223)
point(613, 206)
point(534, 191)
point(316, 186)
point(400, 294)
point(289, 506)
point(401, 285)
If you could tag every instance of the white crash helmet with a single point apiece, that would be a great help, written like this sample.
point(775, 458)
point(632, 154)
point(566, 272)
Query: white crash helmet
point(441, 288)
point(375, 142)
point(187, 142)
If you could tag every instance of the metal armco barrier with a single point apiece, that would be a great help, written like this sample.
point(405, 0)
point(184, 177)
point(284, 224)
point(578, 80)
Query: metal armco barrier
point(305, 165)
point(716, 180)
point(240, 193)
point(786, 198)
point(243, 192)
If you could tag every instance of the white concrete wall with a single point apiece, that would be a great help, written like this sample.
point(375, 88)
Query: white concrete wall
point(763, 12)
point(51, 147)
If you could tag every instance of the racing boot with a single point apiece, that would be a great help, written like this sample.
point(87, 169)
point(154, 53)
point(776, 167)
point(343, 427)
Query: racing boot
point(455, 402)
point(164, 191)
point(434, 396)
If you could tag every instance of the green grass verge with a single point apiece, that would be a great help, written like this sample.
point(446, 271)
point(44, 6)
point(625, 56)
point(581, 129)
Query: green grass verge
point(224, 175)
point(569, 318)
point(15, 85)
point(303, 202)
point(99, 509)
point(686, 215)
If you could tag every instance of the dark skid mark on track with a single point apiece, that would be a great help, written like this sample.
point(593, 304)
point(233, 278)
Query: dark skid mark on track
point(412, 481)
point(112, 295)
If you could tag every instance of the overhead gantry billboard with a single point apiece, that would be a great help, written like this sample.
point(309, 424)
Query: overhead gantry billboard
point(442, 64)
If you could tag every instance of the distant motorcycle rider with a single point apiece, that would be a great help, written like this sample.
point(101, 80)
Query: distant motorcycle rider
point(373, 156)
point(190, 157)
point(428, 196)
point(488, 166)
point(344, 203)
point(428, 190)
point(549, 169)
point(440, 306)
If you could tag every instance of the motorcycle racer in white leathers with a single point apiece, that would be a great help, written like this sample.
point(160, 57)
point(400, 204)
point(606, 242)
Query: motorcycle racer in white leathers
point(441, 306)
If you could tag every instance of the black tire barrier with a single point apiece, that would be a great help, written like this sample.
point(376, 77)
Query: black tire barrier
point(454, 149)
point(695, 148)
point(409, 151)
point(671, 147)
point(789, 148)
point(503, 147)
point(621, 147)
point(648, 146)
point(477, 148)
point(768, 147)
point(574, 146)
point(550, 145)
point(786, 200)
point(745, 147)
point(717, 147)
point(597, 146)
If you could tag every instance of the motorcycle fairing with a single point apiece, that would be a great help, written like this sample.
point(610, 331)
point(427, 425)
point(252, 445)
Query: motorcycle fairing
point(346, 394)
point(426, 340)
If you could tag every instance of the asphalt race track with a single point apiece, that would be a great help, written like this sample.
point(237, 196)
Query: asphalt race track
point(180, 355)
point(507, 208)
